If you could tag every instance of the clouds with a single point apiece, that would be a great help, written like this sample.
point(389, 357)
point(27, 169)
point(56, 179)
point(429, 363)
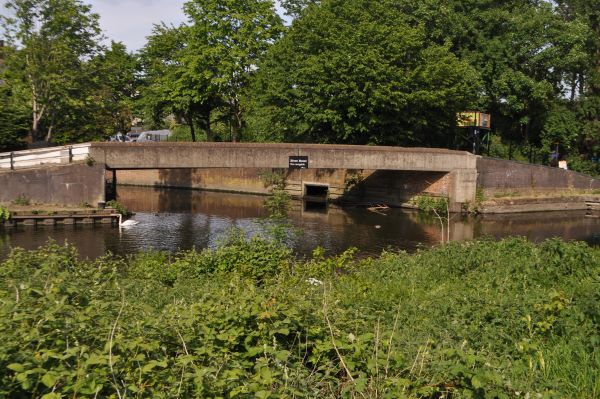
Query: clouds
point(131, 21)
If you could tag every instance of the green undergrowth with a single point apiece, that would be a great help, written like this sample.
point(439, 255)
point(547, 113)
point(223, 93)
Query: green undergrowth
point(247, 320)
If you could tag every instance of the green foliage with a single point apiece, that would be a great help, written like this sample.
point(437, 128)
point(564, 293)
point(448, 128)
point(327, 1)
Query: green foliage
point(293, 8)
point(4, 214)
point(479, 319)
point(277, 225)
point(119, 207)
point(360, 72)
point(585, 166)
point(428, 203)
point(89, 160)
point(14, 115)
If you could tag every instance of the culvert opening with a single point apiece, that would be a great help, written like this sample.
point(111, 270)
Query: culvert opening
point(316, 191)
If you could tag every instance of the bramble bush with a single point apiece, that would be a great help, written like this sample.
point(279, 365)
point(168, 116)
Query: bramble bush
point(478, 319)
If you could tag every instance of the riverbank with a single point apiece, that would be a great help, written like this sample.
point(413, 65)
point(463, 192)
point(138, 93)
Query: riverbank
point(477, 319)
point(548, 202)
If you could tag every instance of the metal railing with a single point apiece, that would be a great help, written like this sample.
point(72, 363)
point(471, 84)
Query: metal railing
point(44, 156)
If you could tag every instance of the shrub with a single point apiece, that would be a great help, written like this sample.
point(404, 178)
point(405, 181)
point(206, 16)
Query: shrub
point(4, 214)
point(118, 207)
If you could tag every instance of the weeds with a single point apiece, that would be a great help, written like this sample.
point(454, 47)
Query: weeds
point(22, 200)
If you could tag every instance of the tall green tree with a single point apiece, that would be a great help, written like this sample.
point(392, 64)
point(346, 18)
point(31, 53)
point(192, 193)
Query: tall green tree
point(173, 83)
point(359, 71)
point(198, 68)
point(55, 38)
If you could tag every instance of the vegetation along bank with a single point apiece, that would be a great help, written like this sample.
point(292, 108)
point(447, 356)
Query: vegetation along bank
point(466, 320)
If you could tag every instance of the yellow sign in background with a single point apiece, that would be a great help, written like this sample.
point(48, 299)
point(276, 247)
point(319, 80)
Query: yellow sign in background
point(474, 119)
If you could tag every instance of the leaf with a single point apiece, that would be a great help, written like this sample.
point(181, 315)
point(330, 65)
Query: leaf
point(476, 382)
point(49, 379)
point(18, 367)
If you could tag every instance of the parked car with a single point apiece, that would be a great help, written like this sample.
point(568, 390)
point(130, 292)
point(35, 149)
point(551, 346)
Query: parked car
point(119, 137)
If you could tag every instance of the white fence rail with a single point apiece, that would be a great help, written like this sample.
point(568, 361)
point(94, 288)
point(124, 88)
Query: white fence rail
point(44, 156)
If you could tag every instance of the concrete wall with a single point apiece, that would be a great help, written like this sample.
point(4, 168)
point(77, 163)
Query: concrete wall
point(70, 184)
point(500, 176)
point(364, 186)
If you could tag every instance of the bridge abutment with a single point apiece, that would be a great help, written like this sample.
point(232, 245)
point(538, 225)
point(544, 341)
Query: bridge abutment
point(462, 188)
point(71, 184)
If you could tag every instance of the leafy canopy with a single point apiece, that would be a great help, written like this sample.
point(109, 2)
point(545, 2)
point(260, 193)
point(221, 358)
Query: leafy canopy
point(360, 72)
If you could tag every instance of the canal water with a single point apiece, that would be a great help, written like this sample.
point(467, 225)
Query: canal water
point(173, 220)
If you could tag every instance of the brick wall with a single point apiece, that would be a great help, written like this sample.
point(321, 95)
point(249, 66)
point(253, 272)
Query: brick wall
point(500, 176)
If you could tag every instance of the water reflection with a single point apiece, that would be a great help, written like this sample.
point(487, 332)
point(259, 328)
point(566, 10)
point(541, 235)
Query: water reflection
point(173, 220)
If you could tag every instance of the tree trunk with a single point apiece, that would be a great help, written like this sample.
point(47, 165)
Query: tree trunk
point(237, 116)
point(49, 134)
point(209, 134)
point(191, 123)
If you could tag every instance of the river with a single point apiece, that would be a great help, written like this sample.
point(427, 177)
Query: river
point(173, 220)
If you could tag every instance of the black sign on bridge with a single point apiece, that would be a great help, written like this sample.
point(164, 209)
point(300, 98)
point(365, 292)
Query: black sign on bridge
point(298, 162)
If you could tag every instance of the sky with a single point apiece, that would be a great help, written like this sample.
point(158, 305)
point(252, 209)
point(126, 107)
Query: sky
point(131, 21)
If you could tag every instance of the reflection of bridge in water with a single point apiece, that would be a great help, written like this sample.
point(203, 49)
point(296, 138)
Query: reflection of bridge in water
point(182, 219)
point(409, 225)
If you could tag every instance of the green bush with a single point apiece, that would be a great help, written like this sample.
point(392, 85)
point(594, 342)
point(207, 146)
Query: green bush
point(465, 320)
point(584, 166)
point(118, 207)
point(4, 214)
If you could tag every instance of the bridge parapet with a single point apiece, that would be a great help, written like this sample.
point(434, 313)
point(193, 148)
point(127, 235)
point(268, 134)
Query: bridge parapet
point(255, 155)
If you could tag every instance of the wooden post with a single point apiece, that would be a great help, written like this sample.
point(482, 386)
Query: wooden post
point(12, 161)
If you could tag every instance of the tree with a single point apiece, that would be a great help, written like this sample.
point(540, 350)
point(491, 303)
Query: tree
point(586, 80)
point(174, 84)
point(526, 55)
point(114, 84)
point(359, 71)
point(198, 68)
point(55, 38)
point(13, 109)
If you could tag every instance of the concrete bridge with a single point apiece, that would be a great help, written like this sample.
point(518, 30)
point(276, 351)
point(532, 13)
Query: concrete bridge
point(460, 167)
point(76, 174)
